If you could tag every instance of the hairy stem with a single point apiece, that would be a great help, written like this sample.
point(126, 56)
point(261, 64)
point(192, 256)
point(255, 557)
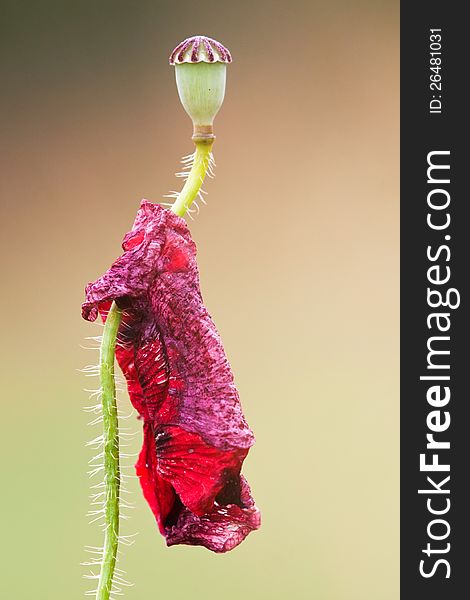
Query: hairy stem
point(108, 390)
point(195, 178)
point(112, 476)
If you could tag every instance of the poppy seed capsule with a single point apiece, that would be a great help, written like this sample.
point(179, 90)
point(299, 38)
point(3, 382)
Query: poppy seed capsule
point(200, 64)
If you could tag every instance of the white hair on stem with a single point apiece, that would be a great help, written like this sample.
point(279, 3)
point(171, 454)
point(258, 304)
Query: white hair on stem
point(98, 495)
point(188, 163)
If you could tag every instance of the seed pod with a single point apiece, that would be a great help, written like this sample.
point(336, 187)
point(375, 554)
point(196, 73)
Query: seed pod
point(200, 64)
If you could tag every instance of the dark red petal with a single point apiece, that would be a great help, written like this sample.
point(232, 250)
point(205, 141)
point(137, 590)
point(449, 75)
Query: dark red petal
point(220, 530)
point(152, 370)
point(196, 470)
point(158, 492)
point(132, 274)
point(180, 382)
point(157, 281)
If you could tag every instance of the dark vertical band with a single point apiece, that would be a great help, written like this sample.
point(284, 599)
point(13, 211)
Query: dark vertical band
point(435, 274)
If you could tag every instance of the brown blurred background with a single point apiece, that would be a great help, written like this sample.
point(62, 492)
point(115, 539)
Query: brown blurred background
point(298, 252)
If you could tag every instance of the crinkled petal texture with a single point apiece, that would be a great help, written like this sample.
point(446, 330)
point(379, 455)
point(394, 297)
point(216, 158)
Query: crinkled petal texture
point(181, 384)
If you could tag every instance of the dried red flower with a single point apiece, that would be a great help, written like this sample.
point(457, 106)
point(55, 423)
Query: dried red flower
point(181, 384)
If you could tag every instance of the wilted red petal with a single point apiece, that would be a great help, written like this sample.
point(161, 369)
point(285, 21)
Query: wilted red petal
point(160, 293)
point(179, 381)
point(221, 529)
point(196, 470)
point(158, 492)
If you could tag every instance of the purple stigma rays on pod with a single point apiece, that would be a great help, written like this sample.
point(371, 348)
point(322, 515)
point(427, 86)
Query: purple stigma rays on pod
point(200, 48)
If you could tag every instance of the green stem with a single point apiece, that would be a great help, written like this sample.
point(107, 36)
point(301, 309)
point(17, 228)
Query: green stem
point(195, 178)
point(108, 391)
point(112, 476)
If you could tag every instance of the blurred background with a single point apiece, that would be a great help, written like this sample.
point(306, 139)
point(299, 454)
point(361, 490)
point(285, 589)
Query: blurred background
point(298, 253)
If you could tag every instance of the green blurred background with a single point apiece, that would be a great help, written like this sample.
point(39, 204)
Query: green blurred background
point(298, 253)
